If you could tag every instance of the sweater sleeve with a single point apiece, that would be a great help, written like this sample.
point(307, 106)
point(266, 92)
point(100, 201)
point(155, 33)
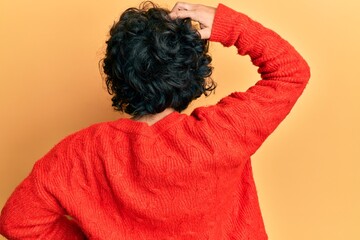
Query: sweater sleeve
point(247, 118)
point(33, 213)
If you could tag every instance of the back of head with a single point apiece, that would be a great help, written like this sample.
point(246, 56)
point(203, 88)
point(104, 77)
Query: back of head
point(153, 62)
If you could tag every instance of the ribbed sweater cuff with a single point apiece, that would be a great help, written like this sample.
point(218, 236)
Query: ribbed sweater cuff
point(231, 27)
point(223, 26)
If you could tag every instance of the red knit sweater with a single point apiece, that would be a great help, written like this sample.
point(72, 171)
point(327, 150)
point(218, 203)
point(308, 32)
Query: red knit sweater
point(185, 177)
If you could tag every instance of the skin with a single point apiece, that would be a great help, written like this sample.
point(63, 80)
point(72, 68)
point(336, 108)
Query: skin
point(151, 119)
point(197, 12)
point(202, 14)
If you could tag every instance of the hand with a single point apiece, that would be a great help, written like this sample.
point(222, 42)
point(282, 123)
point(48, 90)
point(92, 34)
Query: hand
point(199, 13)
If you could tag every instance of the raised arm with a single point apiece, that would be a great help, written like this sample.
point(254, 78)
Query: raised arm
point(249, 117)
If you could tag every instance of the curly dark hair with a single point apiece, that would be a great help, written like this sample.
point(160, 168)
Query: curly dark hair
point(153, 62)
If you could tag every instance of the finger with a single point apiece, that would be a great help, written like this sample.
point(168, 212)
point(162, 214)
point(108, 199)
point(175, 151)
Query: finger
point(180, 9)
point(205, 33)
point(182, 6)
point(183, 14)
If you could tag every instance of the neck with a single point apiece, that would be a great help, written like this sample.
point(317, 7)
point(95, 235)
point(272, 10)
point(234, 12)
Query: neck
point(150, 119)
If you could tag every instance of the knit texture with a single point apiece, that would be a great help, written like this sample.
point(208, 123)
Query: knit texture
point(185, 177)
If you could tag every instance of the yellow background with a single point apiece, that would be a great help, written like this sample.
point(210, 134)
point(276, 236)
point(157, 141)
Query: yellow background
point(307, 172)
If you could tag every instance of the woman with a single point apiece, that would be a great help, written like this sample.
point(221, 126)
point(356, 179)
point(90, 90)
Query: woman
point(163, 174)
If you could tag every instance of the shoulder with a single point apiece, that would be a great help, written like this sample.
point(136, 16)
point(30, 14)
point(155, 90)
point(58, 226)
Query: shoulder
point(83, 136)
point(75, 147)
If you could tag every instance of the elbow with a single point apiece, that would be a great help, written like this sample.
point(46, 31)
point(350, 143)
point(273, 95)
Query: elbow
point(9, 226)
point(307, 71)
point(302, 73)
point(5, 226)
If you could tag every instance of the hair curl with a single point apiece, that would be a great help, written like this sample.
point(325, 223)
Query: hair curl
point(153, 62)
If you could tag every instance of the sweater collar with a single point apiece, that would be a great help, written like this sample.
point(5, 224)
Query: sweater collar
point(142, 128)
